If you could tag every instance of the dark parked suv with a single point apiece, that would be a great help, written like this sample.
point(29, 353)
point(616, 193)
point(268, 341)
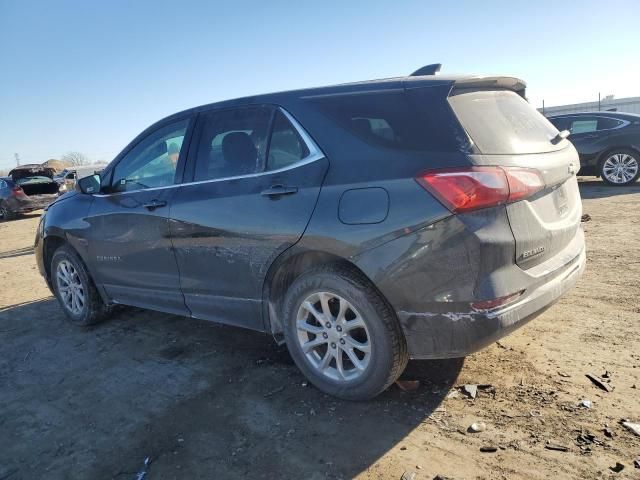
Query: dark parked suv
point(608, 144)
point(362, 224)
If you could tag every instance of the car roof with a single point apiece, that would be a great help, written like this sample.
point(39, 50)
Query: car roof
point(283, 98)
point(462, 81)
point(620, 115)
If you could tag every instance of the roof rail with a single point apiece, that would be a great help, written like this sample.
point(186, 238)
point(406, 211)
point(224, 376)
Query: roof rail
point(431, 69)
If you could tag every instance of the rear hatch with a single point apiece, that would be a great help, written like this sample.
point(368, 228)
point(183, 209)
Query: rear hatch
point(35, 180)
point(508, 132)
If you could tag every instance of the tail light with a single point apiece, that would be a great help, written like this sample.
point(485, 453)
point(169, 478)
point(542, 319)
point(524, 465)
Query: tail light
point(473, 188)
point(18, 192)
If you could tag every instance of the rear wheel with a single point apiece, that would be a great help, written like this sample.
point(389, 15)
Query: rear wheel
point(75, 290)
point(342, 334)
point(620, 167)
point(5, 212)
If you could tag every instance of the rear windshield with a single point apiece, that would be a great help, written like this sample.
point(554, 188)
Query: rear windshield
point(419, 120)
point(35, 179)
point(502, 122)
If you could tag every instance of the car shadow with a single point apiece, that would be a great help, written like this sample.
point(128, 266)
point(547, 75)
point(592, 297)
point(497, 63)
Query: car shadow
point(591, 188)
point(198, 399)
point(17, 252)
point(23, 216)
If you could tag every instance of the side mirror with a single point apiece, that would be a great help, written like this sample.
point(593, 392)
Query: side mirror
point(89, 185)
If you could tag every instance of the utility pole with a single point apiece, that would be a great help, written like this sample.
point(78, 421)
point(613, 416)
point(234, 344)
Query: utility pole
point(17, 157)
point(543, 106)
point(598, 101)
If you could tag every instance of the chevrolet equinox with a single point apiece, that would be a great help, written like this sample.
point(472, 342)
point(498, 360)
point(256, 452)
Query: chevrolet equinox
point(361, 224)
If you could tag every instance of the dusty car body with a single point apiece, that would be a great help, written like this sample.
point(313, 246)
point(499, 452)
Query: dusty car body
point(27, 188)
point(429, 215)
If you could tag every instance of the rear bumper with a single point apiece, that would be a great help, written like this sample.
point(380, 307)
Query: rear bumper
point(29, 204)
point(42, 201)
point(450, 335)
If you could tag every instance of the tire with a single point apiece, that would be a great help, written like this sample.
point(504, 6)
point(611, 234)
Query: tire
point(5, 213)
point(92, 309)
point(620, 167)
point(336, 287)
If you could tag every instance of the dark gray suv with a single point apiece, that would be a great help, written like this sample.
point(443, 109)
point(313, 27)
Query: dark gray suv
point(362, 224)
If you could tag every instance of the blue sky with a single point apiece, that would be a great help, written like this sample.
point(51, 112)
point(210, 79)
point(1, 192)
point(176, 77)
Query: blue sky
point(89, 75)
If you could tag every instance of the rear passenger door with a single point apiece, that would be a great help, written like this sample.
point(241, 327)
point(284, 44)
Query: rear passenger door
point(256, 176)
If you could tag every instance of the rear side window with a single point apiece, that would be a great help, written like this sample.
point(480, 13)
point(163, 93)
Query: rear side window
point(416, 120)
point(286, 147)
point(502, 122)
point(605, 123)
point(232, 142)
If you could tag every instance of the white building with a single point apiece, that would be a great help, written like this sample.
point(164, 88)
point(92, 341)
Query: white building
point(607, 104)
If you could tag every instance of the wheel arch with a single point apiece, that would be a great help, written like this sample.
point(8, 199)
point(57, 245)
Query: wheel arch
point(11, 214)
point(51, 243)
point(283, 272)
point(603, 155)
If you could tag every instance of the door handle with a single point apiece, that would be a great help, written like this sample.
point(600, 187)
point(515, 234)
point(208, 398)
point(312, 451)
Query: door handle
point(153, 204)
point(277, 190)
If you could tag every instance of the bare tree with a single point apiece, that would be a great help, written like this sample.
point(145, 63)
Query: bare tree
point(75, 159)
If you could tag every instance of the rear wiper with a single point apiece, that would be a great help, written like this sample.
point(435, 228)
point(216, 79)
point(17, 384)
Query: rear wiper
point(560, 136)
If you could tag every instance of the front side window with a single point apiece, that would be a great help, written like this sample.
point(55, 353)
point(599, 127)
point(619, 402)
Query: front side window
point(153, 161)
point(232, 142)
point(286, 146)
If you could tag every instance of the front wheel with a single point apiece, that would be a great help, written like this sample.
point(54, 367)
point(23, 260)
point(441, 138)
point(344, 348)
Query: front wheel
point(621, 167)
point(75, 290)
point(342, 334)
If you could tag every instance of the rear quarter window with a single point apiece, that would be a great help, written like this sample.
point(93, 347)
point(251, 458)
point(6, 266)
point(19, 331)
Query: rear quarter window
point(408, 120)
point(502, 122)
point(606, 123)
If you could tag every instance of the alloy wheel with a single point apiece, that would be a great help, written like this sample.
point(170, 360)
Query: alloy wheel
point(333, 336)
point(70, 287)
point(620, 168)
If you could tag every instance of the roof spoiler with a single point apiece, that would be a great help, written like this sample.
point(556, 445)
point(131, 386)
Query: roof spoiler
point(510, 83)
point(431, 69)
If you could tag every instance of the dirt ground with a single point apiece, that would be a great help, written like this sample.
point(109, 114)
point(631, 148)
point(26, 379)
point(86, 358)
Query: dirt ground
point(206, 401)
